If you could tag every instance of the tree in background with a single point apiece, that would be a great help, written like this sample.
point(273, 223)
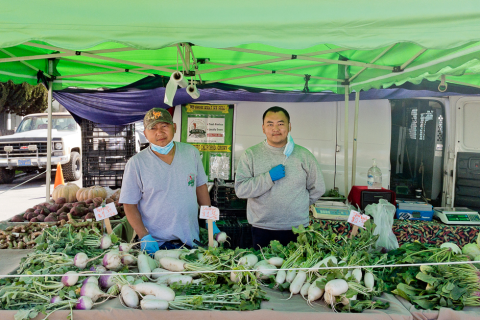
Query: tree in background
point(22, 99)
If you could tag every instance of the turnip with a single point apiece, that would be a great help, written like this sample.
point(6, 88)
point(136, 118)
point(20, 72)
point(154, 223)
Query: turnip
point(369, 281)
point(128, 260)
point(84, 303)
point(291, 274)
point(182, 279)
point(92, 291)
point(70, 278)
point(329, 298)
point(157, 272)
point(345, 301)
point(105, 242)
point(90, 280)
point(56, 299)
point(81, 260)
point(99, 269)
point(336, 287)
point(159, 291)
point(106, 281)
point(265, 271)
point(235, 277)
point(126, 247)
point(129, 297)
point(221, 237)
point(276, 261)
point(153, 304)
point(304, 290)
point(112, 260)
point(357, 274)
point(314, 293)
point(142, 263)
point(248, 260)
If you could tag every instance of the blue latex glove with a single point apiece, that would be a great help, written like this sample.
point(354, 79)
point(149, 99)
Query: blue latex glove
point(149, 244)
point(215, 228)
point(278, 172)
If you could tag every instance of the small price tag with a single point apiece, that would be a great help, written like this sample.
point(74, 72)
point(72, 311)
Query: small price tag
point(358, 219)
point(211, 213)
point(104, 212)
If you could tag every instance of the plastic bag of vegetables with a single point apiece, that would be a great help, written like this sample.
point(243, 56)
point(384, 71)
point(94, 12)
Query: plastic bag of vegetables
point(383, 214)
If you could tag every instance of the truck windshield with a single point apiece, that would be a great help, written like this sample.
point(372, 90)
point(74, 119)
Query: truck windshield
point(65, 123)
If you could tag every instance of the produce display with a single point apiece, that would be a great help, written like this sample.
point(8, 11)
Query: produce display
point(69, 198)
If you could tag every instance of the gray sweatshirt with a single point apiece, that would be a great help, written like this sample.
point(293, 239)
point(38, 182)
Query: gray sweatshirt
point(282, 204)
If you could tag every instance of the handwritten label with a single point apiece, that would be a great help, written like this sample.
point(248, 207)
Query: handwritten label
point(211, 213)
point(105, 212)
point(358, 219)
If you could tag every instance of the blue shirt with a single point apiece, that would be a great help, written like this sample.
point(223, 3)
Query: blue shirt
point(166, 194)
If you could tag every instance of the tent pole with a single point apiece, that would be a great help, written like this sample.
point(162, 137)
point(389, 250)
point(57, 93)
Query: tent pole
point(345, 138)
point(355, 134)
point(49, 134)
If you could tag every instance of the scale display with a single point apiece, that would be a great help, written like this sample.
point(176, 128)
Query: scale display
point(457, 216)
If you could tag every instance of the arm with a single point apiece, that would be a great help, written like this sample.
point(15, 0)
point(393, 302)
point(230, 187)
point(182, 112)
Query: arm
point(248, 186)
point(203, 198)
point(315, 181)
point(135, 219)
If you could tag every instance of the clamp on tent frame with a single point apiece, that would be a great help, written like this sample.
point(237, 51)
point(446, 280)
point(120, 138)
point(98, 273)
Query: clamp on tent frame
point(442, 87)
point(305, 88)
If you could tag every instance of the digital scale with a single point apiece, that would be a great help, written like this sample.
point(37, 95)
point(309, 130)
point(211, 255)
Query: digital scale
point(457, 215)
point(330, 210)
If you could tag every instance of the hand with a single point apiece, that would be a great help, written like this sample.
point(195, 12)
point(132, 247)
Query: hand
point(278, 172)
point(149, 244)
point(215, 228)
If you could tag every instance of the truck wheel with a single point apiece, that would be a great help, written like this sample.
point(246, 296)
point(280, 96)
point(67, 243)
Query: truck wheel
point(72, 170)
point(6, 175)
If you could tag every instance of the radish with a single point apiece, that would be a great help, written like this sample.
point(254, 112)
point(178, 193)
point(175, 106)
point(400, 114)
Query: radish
point(55, 299)
point(336, 287)
point(345, 301)
point(129, 297)
point(128, 260)
point(249, 260)
point(106, 281)
point(163, 279)
point(276, 261)
point(314, 293)
point(304, 290)
point(174, 253)
point(181, 279)
point(105, 242)
point(84, 303)
point(281, 275)
point(153, 304)
point(291, 274)
point(260, 263)
point(265, 271)
point(157, 272)
point(152, 263)
point(70, 279)
point(369, 281)
point(159, 291)
point(112, 260)
point(235, 277)
point(329, 298)
point(142, 263)
point(357, 274)
point(298, 282)
point(172, 264)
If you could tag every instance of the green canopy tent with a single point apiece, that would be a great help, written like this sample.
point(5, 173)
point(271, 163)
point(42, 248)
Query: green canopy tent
point(304, 45)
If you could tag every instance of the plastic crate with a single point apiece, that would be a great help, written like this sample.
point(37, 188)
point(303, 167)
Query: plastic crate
point(233, 230)
point(224, 198)
point(246, 237)
point(103, 140)
point(104, 166)
point(111, 181)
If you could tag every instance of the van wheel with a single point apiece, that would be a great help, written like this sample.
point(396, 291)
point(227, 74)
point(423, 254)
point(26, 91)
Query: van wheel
point(72, 170)
point(6, 175)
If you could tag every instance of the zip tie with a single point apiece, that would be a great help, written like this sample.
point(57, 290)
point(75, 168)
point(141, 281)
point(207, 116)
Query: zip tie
point(227, 271)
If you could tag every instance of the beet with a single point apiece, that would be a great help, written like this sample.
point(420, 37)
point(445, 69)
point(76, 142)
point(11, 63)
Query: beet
point(88, 201)
point(116, 203)
point(34, 220)
point(31, 215)
point(60, 200)
point(63, 217)
point(40, 217)
point(30, 210)
point(51, 218)
point(18, 218)
point(45, 211)
point(68, 205)
point(37, 211)
point(79, 204)
point(25, 215)
point(89, 215)
point(109, 200)
point(80, 211)
point(53, 207)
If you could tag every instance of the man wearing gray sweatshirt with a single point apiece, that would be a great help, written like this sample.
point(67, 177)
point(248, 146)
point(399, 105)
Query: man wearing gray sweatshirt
point(280, 180)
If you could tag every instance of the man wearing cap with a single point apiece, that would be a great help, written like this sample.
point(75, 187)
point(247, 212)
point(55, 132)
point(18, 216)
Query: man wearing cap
point(162, 186)
point(280, 180)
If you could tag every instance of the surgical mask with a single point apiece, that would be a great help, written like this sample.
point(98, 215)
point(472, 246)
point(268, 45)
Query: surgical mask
point(162, 150)
point(289, 146)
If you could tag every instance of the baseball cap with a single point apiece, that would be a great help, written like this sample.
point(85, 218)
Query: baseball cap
point(155, 116)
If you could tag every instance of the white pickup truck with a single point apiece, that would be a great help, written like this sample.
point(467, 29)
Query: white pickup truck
point(26, 149)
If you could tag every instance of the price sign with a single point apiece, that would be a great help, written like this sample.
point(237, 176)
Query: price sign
point(105, 212)
point(211, 213)
point(358, 219)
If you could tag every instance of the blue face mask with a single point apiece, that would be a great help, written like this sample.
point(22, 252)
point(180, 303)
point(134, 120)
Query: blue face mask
point(162, 150)
point(289, 146)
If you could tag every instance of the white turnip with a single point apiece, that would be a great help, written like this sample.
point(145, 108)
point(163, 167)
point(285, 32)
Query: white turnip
point(336, 287)
point(70, 278)
point(248, 260)
point(84, 303)
point(112, 260)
